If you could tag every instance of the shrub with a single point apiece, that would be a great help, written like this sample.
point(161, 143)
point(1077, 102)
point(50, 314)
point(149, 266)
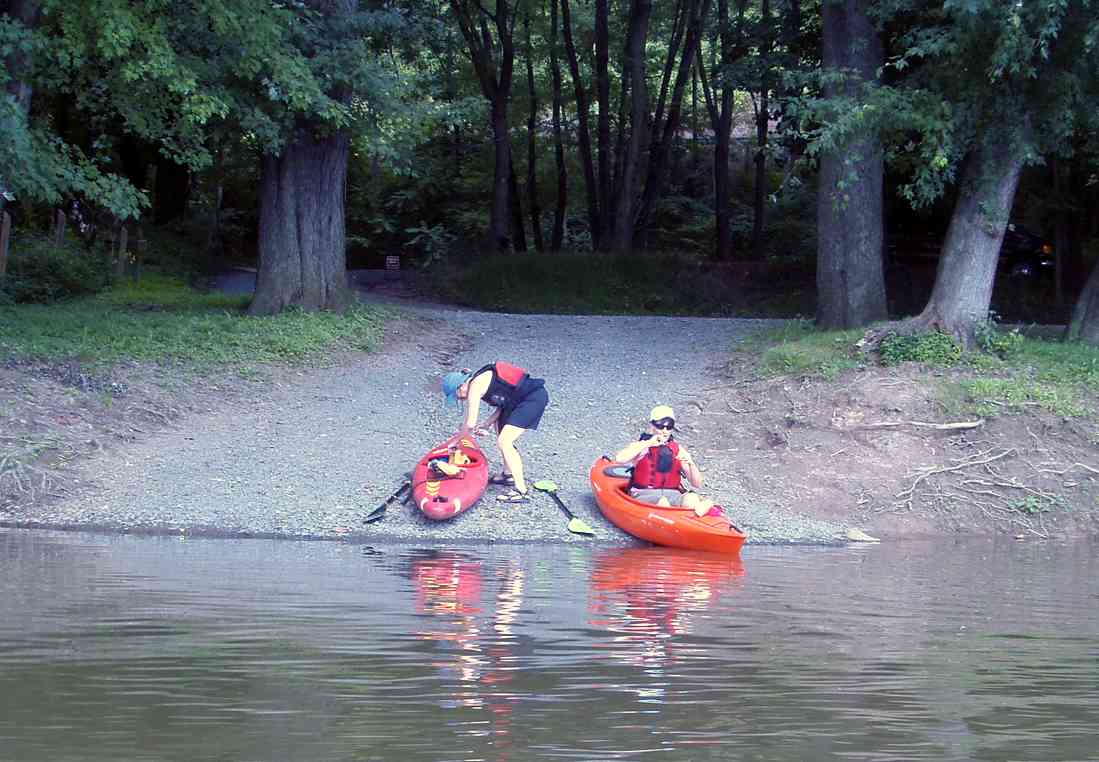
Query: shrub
point(935, 348)
point(991, 339)
point(40, 272)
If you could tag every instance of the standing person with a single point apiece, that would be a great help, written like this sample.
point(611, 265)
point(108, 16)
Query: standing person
point(660, 464)
point(519, 400)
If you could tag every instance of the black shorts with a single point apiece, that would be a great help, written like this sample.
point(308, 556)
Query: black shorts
point(528, 413)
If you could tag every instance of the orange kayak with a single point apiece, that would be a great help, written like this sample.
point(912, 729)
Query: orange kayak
point(440, 495)
point(673, 526)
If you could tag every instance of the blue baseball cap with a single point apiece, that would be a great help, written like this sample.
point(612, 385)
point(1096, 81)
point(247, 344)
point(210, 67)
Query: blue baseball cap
point(451, 382)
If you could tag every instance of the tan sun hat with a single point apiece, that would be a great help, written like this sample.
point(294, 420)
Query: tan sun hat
point(661, 412)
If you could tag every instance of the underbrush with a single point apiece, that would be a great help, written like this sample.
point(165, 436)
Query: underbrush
point(160, 319)
point(604, 284)
point(1007, 373)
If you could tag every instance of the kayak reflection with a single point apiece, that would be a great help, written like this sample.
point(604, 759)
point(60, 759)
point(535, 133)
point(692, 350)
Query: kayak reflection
point(476, 644)
point(647, 599)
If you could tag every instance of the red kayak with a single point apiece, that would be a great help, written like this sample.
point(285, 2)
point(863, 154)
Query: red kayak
point(674, 526)
point(455, 484)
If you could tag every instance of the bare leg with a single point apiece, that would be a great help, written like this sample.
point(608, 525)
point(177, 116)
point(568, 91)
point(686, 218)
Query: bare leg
point(512, 462)
point(697, 503)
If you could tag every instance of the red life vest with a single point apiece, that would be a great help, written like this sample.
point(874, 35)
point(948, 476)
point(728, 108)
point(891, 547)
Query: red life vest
point(647, 471)
point(505, 382)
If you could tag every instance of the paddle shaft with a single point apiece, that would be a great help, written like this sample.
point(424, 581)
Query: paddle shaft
point(561, 505)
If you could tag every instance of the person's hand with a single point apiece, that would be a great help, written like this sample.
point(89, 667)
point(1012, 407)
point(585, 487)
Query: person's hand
point(482, 431)
point(661, 437)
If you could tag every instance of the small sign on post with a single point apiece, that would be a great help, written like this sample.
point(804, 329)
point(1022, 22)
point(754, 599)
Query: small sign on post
point(5, 239)
point(392, 262)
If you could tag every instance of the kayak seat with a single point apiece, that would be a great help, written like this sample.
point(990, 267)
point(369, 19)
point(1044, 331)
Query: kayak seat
point(618, 471)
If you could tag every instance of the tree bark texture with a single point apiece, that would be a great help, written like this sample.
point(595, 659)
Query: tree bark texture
point(558, 235)
point(967, 265)
point(850, 277)
point(639, 115)
point(1085, 316)
point(302, 238)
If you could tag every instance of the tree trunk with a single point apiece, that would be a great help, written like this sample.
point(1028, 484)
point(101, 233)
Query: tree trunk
point(850, 277)
point(603, 99)
point(639, 115)
point(762, 124)
point(583, 133)
point(967, 266)
point(518, 232)
point(495, 84)
point(557, 238)
point(695, 13)
point(532, 156)
point(1085, 316)
point(302, 244)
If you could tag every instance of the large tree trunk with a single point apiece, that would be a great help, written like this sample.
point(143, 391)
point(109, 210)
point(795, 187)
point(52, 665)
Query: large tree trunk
point(1085, 316)
point(967, 266)
point(518, 232)
point(625, 211)
point(557, 238)
point(302, 244)
point(850, 280)
point(583, 132)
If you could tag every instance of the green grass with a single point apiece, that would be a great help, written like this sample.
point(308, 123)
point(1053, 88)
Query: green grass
point(1052, 376)
point(797, 348)
point(161, 319)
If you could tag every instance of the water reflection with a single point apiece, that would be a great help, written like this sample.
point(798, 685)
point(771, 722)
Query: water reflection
point(650, 598)
point(136, 648)
point(476, 639)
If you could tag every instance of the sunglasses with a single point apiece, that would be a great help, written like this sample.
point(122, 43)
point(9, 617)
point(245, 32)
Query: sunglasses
point(664, 424)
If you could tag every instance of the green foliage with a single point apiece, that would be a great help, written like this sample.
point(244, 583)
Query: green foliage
point(41, 272)
point(933, 348)
point(662, 284)
point(998, 342)
point(1032, 505)
point(799, 349)
point(160, 319)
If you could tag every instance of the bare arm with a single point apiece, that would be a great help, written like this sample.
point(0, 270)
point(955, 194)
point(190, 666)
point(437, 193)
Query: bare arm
point(635, 450)
point(478, 385)
point(690, 468)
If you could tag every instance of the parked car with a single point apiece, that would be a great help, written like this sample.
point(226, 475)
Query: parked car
point(1023, 253)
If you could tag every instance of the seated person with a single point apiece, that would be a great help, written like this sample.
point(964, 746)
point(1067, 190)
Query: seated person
point(659, 465)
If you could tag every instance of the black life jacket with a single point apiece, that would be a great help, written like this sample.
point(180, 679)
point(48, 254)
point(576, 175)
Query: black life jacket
point(503, 389)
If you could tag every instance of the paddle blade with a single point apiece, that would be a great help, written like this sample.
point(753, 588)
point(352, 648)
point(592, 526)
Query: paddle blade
point(545, 485)
point(576, 526)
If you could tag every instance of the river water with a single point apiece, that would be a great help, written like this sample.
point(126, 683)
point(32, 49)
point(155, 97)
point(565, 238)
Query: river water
point(137, 648)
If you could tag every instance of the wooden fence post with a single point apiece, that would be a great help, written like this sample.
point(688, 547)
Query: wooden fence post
point(59, 228)
point(120, 260)
point(5, 238)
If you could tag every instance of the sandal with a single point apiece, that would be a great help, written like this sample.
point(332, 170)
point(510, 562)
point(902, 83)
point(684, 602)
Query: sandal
point(514, 496)
point(506, 480)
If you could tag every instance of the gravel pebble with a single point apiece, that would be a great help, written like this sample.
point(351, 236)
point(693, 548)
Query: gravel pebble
point(312, 458)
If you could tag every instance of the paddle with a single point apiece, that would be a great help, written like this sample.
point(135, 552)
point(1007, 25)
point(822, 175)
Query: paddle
point(379, 513)
point(576, 526)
